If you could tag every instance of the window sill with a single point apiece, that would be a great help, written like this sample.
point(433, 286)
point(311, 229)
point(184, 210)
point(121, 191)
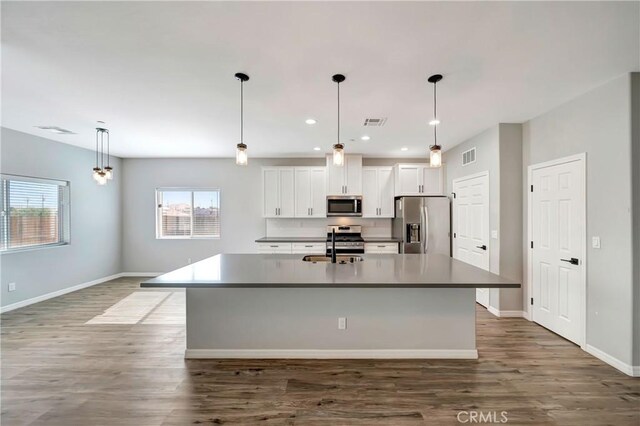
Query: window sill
point(35, 248)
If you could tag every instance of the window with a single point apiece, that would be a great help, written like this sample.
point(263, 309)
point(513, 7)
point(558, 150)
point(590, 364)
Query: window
point(187, 213)
point(34, 213)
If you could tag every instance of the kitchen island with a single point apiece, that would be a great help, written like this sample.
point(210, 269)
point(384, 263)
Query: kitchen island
point(278, 306)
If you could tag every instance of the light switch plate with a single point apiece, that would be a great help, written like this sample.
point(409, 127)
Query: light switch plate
point(12, 286)
point(595, 242)
point(494, 234)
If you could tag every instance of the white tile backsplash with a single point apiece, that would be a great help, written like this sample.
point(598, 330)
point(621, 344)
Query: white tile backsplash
point(318, 227)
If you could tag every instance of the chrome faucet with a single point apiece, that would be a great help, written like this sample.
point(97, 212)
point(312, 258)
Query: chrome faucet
point(333, 246)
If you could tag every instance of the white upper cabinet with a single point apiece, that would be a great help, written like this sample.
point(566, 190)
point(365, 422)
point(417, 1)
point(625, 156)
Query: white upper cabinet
point(310, 190)
point(418, 179)
point(278, 191)
point(345, 179)
point(377, 192)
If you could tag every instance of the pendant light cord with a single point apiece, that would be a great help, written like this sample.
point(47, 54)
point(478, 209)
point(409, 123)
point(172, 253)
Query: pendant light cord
point(241, 111)
point(338, 112)
point(435, 114)
point(97, 149)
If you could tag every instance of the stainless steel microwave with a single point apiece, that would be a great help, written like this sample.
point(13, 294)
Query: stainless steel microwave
point(344, 205)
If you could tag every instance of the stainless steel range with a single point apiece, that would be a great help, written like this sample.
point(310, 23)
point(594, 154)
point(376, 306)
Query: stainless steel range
point(348, 239)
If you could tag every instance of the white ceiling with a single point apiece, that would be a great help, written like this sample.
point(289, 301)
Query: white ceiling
point(161, 73)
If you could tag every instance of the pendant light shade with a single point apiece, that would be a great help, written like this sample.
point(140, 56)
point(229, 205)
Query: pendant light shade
point(435, 155)
point(338, 154)
point(102, 172)
point(338, 148)
point(241, 149)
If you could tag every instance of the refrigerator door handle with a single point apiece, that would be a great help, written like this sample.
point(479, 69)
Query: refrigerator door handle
point(425, 227)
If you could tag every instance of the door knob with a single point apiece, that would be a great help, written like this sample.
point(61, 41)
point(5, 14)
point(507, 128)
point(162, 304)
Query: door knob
point(572, 261)
point(483, 247)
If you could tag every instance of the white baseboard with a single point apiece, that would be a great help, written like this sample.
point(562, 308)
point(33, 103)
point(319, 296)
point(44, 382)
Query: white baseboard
point(332, 353)
point(42, 298)
point(57, 293)
point(629, 370)
point(507, 314)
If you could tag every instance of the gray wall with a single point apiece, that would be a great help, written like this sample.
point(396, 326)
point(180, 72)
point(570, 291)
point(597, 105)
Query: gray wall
point(94, 251)
point(598, 123)
point(635, 160)
point(241, 204)
point(510, 217)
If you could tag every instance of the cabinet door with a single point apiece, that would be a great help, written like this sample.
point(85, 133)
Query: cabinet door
point(385, 191)
point(432, 181)
point(318, 197)
point(409, 180)
point(370, 192)
point(353, 174)
point(335, 178)
point(303, 192)
point(270, 192)
point(287, 193)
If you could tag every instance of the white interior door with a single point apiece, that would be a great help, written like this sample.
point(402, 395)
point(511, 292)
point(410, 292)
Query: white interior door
point(558, 234)
point(471, 225)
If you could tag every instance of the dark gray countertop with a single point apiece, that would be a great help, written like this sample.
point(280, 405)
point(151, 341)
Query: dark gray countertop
point(289, 271)
point(322, 240)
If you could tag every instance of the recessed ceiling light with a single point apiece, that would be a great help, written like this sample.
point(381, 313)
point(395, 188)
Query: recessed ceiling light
point(317, 148)
point(365, 138)
point(57, 130)
point(310, 121)
point(404, 148)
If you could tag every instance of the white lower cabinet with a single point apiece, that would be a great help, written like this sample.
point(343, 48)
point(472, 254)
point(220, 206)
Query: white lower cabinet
point(381, 248)
point(274, 248)
point(309, 248)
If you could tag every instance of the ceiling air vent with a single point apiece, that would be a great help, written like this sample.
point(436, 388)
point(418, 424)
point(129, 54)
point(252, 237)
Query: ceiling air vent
point(469, 156)
point(374, 122)
point(56, 129)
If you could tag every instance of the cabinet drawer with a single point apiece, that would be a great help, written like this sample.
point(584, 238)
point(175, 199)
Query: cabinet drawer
point(309, 248)
point(284, 248)
point(388, 248)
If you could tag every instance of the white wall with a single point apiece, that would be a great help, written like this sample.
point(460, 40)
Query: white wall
point(241, 204)
point(94, 250)
point(598, 123)
point(635, 160)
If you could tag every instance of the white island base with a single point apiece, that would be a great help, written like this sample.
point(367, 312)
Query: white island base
point(303, 323)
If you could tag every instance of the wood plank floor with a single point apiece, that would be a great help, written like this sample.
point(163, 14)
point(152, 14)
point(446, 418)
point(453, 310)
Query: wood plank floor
point(63, 365)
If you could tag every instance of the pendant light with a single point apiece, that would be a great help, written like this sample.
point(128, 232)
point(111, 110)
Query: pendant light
point(435, 157)
point(241, 148)
point(338, 148)
point(101, 172)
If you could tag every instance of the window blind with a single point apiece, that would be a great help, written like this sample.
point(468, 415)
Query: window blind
point(188, 213)
point(34, 212)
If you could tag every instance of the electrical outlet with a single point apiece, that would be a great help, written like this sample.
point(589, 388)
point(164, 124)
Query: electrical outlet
point(595, 242)
point(12, 286)
point(342, 323)
point(494, 234)
point(189, 261)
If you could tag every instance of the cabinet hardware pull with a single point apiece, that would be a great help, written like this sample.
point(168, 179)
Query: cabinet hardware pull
point(311, 211)
point(274, 246)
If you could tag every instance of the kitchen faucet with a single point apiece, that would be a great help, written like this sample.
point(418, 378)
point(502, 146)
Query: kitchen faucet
point(333, 246)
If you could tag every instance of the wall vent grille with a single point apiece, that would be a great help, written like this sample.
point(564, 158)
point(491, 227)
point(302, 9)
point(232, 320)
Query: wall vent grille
point(374, 122)
point(469, 156)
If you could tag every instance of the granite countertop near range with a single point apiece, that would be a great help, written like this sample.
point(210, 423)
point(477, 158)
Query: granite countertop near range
point(322, 240)
point(290, 271)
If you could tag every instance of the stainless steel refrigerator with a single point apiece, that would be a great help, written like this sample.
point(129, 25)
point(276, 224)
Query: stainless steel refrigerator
point(423, 224)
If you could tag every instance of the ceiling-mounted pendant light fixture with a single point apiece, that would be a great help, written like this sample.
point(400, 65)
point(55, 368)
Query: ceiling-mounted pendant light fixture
point(338, 148)
point(435, 157)
point(101, 172)
point(241, 148)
